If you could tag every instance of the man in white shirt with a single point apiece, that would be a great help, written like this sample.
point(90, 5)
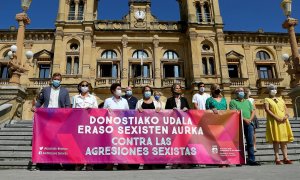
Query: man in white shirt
point(199, 99)
point(116, 101)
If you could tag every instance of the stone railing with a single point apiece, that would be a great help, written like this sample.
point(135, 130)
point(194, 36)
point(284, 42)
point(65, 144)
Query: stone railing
point(122, 25)
point(4, 82)
point(106, 82)
point(239, 82)
point(168, 82)
point(38, 82)
point(140, 82)
point(30, 35)
point(262, 83)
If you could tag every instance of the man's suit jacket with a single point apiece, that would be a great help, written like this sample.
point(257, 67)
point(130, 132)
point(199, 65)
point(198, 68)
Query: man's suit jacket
point(44, 98)
point(172, 104)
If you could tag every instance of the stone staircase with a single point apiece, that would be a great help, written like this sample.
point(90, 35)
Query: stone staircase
point(15, 145)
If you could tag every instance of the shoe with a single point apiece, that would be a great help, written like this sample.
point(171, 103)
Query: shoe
point(109, 167)
point(254, 163)
point(278, 162)
point(287, 161)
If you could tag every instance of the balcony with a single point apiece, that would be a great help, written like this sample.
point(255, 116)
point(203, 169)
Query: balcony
point(263, 83)
point(168, 82)
point(239, 82)
point(39, 82)
point(141, 82)
point(4, 82)
point(106, 82)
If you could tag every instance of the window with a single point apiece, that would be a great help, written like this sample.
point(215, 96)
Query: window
point(76, 65)
point(107, 70)
point(170, 55)
point(138, 71)
point(206, 14)
point(205, 48)
point(172, 71)
point(199, 13)
point(44, 71)
point(74, 47)
point(233, 71)
point(265, 72)
point(69, 65)
point(72, 10)
point(204, 66)
point(262, 55)
point(211, 66)
point(4, 73)
point(208, 65)
point(80, 11)
point(140, 54)
point(109, 54)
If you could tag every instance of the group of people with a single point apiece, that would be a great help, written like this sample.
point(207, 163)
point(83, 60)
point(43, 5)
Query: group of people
point(278, 129)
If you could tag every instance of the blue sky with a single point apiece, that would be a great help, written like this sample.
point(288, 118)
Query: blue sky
point(238, 15)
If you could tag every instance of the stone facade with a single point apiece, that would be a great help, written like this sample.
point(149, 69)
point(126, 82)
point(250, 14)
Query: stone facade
point(195, 49)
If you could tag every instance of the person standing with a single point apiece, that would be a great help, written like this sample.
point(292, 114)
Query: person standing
point(130, 98)
point(199, 99)
point(216, 101)
point(278, 129)
point(157, 98)
point(248, 113)
point(84, 100)
point(53, 96)
point(118, 103)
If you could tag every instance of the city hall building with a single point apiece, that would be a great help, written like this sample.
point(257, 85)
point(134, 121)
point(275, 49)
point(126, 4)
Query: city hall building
point(141, 50)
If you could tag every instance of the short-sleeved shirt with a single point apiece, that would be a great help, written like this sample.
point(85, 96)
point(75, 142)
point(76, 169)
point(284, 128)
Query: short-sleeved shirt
point(80, 101)
point(211, 103)
point(200, 100)
point(131, 101)
point(113, 103)
point(245, 106)
point(54, 95)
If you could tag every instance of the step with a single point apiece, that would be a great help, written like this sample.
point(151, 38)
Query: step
point(23, 122)
point(21, 164)
point(263, 126)
point(15, 143)
point(16, 129)
point(18, 126)
point(15, 148)
point(15, 133)
point(262, 147)
point(271, 152)
point(15, 154)
point(263, 135)
point(263, 140)
point(271, 158)
point(15, 137)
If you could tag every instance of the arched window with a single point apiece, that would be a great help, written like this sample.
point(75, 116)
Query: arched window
point(262, 55)
point(139, 54)
point(208, 60)
point(109, 54)
point(72, 10)
point(73, 60)
point(170, 55)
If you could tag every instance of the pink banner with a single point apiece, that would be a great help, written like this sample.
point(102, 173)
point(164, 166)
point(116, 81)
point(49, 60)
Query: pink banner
point(96, 136)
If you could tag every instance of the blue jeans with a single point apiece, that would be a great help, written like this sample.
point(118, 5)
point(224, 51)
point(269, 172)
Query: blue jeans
point(249, 131)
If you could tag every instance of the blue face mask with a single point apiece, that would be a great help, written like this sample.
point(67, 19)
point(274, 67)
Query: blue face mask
point(56, 83)
point(157, 98)
point(241, 95)
point(128, 93)
point(147, 94)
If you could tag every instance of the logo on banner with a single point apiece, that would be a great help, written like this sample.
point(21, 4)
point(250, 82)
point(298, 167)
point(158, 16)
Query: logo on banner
point(214, 149)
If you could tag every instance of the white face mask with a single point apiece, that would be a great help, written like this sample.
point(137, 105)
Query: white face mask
point(202, 89)
point(273, 92)
point(84, 89)
point(118, 92)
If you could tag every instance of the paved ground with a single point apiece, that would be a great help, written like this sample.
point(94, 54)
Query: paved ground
point(265, 172)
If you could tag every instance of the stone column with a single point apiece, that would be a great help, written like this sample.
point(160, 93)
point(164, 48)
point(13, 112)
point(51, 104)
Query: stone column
point(157, 63)
point(125, 64)
point(222, 58)
point(202, 12)
point(59, 58)
point(23, 20)
point(251, 66)
point(87, 53)
point(76, 9)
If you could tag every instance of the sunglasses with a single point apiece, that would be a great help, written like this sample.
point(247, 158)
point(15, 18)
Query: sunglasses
point(85, 85)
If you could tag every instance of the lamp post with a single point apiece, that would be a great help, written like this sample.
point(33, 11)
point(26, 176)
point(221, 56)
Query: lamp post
point(17, 66)
point(293, 61)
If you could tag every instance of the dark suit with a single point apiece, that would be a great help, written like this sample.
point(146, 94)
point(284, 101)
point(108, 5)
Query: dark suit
point(44, 98)
point(171, 104)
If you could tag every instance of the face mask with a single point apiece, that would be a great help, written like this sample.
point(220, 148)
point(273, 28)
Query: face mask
point(273, 92)
point(147, 94)
point(202, 89)
point(217, 91)
point(118, 92)
point(84, 89)
point(241, 95)
point(128, 93)
point(56, 83)
point(157, 98)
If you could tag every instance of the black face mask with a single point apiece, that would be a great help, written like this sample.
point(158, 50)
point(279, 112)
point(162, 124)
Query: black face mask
point(217, 91)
